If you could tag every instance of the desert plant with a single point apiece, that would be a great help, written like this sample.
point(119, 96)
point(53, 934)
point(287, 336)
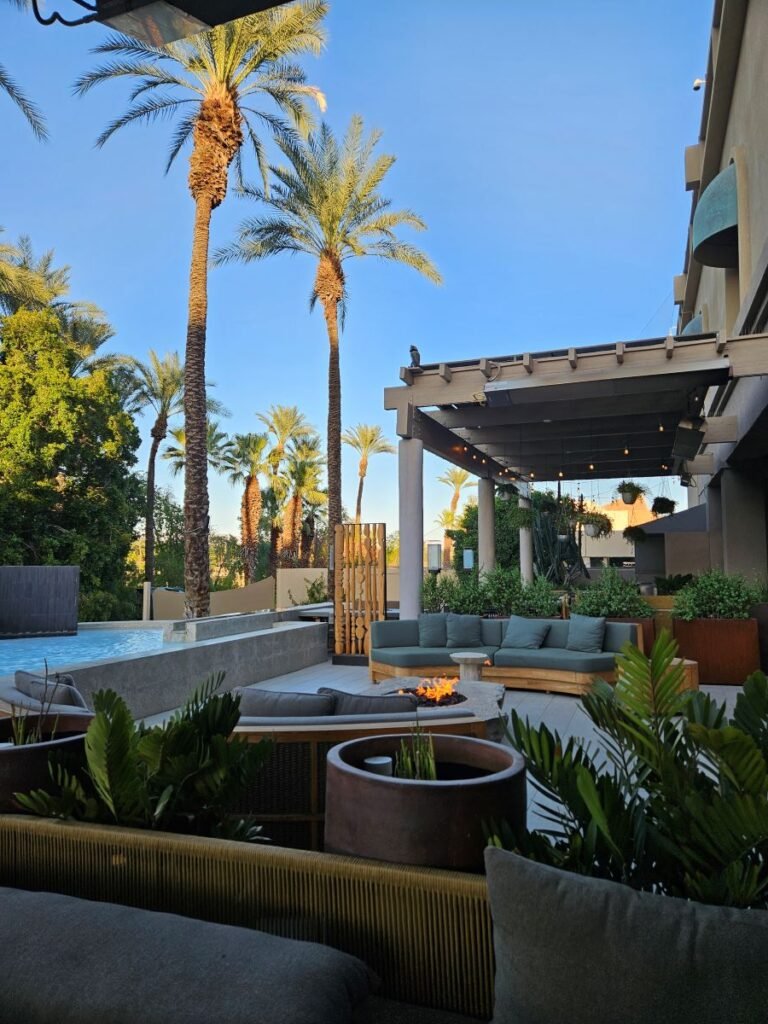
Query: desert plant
point(634, 534)
point(185, 775)
point(668, 585)
point(674, 803)
point(416, 757)
point(630, 491)
point(317, 592)
point(613, 597)
point(715, 595)
point(663, 506)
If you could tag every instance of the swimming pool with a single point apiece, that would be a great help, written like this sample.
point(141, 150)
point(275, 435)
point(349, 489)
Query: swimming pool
point(31, 653)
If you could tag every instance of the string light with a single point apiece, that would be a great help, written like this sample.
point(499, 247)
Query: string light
point(591, 465)
point(626, 451)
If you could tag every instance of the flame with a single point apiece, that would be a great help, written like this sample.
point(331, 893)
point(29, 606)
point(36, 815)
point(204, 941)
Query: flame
point(436, 689)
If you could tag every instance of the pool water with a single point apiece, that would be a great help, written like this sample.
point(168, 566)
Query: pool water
point(31, 653)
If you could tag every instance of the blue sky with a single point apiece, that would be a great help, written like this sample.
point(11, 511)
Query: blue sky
point(542, 143)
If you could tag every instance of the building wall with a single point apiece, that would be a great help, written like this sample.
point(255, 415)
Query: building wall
point(169, 604)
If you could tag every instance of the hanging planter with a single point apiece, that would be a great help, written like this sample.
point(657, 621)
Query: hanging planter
point(596, 524)
point(663, 506)
point(591, 529)
point(635, 535)
point(630, 491)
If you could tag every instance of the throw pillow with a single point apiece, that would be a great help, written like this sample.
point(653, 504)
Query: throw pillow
point(463, 631)
point(522, 632)
point(432, 631)
point(585, 633)
point(255, 703)
point(361, 704)
point(57, 690)
point(618, 955)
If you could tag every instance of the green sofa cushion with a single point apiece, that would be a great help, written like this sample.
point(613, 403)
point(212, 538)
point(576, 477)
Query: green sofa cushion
point(432, 631)
point(464, 631)
point(547, 657)
point(584, 950)
point(557, 636)
point(395, 633)
point(619, 633)
point(360, 704)
point(492, 631)
point(586, 633)
point(417, 657)
point(259, 703)
point(522, 632)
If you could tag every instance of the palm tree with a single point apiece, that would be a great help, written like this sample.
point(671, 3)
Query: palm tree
point(447, 521)
point(327, 204)
point(246, 461)
point(29, 109)
point(217, 447)
point(210, 80)
point(366, 440)
point(303, 471)
point(20, 285)
point(457, 479)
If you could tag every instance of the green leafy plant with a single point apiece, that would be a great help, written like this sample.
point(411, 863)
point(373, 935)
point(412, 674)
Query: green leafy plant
point(630, 491)
point(663, 506)
point(715, 595)
point(498, 592)
point(28, 726)
point(186, 775)
point(613, 597)
point(538, 600)
point(674, 802)
point(668, 585)
point(634, 535)
point(317, 592)
point(416, 757)
point(596, 524)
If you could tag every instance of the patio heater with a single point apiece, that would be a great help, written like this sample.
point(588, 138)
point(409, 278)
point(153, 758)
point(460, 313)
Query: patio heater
point(156, 21)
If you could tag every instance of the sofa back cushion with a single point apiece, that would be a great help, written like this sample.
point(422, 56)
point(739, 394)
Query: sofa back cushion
point(361, 704)
point(492, 631)
point(271, 704)
point(395, 633)
point(432, 632)
point(586, 633)
point(620, 955)
point(464, 631)
point(617, 634)
point(528, 633)
point(557, 635)
point(57, 690)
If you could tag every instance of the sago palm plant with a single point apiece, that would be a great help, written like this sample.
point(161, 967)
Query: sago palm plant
point(367, 440)
point(211, 81)
point(327, 204)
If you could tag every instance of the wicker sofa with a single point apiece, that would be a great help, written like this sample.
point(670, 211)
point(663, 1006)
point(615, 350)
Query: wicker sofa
point(396, 651)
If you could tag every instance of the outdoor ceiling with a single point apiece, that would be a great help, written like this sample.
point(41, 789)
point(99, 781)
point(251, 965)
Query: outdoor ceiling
point(574, 414)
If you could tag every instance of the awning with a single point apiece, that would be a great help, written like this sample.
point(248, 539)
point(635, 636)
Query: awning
point(716, 222)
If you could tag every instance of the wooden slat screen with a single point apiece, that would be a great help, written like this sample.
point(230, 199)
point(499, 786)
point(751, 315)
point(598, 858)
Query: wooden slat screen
point(360, 598)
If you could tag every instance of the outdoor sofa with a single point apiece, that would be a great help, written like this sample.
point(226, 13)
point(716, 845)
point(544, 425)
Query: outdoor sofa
point(562, 655)
point(30, 693)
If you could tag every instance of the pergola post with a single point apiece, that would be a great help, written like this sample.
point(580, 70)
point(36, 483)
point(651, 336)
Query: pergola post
point(486, 524)
point(526, 546)
point(410, 458)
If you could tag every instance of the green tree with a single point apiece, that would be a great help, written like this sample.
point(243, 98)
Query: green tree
point(303, 472)
point(67, 494)
point(20, 285)
point(30, 110)
point(246, 460)
point(211, 81)
point(327, 203)
point(169, 543)
point(218, 448)
point(367, 440)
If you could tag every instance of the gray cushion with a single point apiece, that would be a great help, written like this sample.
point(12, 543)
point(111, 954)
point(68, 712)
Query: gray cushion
point(268, 704)
point(60, 689)
point(558, 634)
point(432, 630)
point(562, 661)
point(492, 632)
point(395, 633)
point(522, 632)
point(585, 633)
point(421, 657)
point(376, 1010)
point(586, 951)
point(619, 633)
point(463, 631)
point(360, 704)
point(415, 714)
point(106, 963)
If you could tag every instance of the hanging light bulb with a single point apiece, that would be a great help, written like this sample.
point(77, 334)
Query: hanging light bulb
point(626, 451)
point(560, 474)
point(661, 428)
point(591, 465)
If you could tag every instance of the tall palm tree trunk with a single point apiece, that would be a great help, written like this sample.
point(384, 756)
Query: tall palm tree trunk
point(159, 432)
point(251, 515)
point(196, 555)
point(334, 434)
point(359, 504)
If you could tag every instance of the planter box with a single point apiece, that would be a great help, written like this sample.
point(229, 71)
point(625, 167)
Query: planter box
point(662, 612)
point(726, 649)
point(760, 613)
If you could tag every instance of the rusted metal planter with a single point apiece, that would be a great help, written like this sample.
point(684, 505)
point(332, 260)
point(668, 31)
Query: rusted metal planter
point(727, 650)
point(432, 824)
point(25, 768)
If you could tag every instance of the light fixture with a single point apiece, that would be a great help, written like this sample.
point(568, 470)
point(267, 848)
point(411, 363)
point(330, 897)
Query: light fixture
point(531, 475)
point(434, 556)
point(626, 450)
point(591, 465)
point(661, 428)
point(156, 21)
point(560, 474)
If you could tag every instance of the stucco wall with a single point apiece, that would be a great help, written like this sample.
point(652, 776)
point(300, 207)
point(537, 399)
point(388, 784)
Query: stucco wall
point(169, 604)
point(293, 580)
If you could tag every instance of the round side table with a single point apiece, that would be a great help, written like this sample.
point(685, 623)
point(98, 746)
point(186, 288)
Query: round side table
point(470, 665)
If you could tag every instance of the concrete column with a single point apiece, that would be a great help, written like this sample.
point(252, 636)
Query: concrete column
point(410, 458)
point(486, 525)
point(526, 547)
point(714, 527)
point(743, 509)
point(146, 601)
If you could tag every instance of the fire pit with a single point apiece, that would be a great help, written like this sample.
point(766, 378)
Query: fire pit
point(435, 693)
point(483, 700)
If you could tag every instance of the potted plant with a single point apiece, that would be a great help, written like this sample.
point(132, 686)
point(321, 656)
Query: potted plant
point(431, 815)
point(634, 534)
point(596, 524)
point(712, 625)
point(663, 506)
point(615, 598)
point(630, 491)
point(653, 853)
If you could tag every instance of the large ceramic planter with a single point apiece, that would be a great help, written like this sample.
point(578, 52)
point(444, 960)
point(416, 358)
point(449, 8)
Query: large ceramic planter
point(25, 768)
point(726, 649)
point(433, 824)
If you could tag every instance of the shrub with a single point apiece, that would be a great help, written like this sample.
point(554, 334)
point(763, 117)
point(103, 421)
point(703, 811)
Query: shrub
point(538, 600)
point(503, 590)
point(715, 595)
point(668, 585)
point(613, 597)
point(679, 804)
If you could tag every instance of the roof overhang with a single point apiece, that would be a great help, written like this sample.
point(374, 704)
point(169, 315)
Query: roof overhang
point(601, 412)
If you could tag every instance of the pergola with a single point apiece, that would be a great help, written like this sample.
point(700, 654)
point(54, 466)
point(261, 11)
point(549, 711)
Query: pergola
point(631, 409)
